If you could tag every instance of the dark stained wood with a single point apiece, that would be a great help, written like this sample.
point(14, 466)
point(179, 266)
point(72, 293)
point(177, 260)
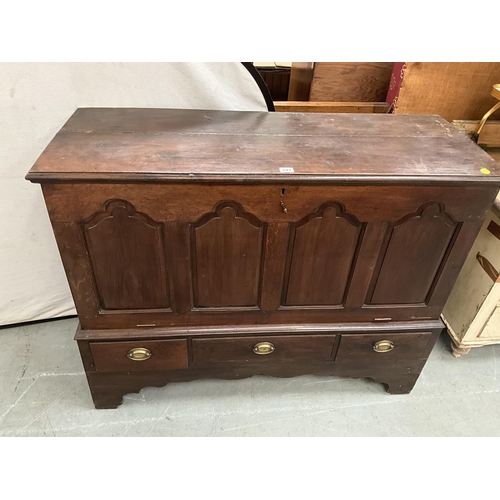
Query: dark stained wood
point(226, 254)
point(274, 264)
point(288, 348)
point(248, 330)
point(376, 206)
point(282, 316)
point(416, 248)
point(494, 229)
point(370, 249)
point(322, 249)
point(179, 265)
point(108, 388)
point(448, 274)
point(78, 271)
point(173, 202)
point(351, 81)
point(126, 251)
point(277, 80)
point(360, 347)
point(165, 355)
point(177, 231)
point(85, 352)
point(185, 145)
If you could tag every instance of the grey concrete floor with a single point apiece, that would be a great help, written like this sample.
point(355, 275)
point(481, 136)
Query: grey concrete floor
point(44, 392)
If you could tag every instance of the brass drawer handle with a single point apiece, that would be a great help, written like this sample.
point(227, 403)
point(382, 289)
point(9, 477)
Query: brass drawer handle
point(263, 348)
point(139, 354)
point(383, 346)
point(283, 206)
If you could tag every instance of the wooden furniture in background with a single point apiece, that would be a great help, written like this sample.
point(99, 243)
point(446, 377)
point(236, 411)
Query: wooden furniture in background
point(455, 91)
point(331, 107)
point(277, 78)
point(340, 82)
point(227, 244)
point(350, 82)
point(472, 313)
point(301, 77)
point(328, 87)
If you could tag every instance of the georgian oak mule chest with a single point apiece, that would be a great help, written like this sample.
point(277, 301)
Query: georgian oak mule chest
point(226, 244)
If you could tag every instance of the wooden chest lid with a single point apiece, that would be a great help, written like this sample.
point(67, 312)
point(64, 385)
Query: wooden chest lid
point(122, 144)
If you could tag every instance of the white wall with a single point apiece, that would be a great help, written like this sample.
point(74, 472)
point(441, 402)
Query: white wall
point(35, 101)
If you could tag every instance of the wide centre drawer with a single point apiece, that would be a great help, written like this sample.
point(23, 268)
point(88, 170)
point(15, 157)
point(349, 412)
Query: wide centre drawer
point(139, 355)
point(382, 347)
point(264, 349)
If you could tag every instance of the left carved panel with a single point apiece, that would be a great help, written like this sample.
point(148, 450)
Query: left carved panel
point(126, 251)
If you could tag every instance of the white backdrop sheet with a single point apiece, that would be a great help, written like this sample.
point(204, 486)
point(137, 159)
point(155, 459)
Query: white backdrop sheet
point(36, 99)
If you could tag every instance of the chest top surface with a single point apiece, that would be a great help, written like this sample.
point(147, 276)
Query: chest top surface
point(133, 144)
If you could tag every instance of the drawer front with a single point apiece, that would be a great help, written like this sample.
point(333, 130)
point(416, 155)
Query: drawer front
point(382, 347)
point(271, 348)
point(139, 355)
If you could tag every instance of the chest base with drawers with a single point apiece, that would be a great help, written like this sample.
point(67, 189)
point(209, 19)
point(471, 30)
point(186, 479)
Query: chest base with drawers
point(393, 355)
point(218, 244)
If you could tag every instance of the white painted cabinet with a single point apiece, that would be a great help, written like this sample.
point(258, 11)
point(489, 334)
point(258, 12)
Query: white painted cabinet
point(472, 313)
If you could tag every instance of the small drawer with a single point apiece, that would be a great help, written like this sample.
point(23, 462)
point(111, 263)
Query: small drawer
point(139, 355)
point(382, 347)
point(265, 349)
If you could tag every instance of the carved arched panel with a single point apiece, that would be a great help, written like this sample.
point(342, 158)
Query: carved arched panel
point(227, 251)
point(126, 252)
point(322, 250)
point(416, 251)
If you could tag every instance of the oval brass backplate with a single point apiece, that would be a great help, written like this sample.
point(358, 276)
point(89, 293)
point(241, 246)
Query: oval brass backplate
point(139, 354)
point(383, 346)
point(263, 348)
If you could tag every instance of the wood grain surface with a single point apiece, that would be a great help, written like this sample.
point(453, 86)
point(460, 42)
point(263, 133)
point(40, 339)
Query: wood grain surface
point(100, 144)
point(331, 107)
point(178, 235)
point(301, 77)
point(165, 355)
point(287, 348)
point(399, 373)
point(232, 255)
point(351, 81)
point(360, 347)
